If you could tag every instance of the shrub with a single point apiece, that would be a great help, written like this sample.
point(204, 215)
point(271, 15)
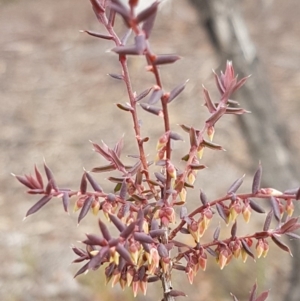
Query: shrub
point(145, 196)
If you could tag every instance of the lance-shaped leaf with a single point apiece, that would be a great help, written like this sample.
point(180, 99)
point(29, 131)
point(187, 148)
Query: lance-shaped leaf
point(104, 230)
point(175, 293)
point(109, 167)
point(65, 201)
point(143, 237)
point(125, 107)
point(176, 91)
point(116, 76)
point(203, 198)
point(194, 166)
point(219, 83)
point(148, 24)
point(38, 205)
point(268, 221)
point(257, 180)
point(122, 10)
point(212, 252)
point(96, 261)
point(102, 150)
point(82, 270)
point(253, 292)
point(98, 8)
point(164, 59)
point(153, 110)
point(185, 127)
point(85, 208)
point(95, 240)
point(211, 145)
point(143, 94)
point(221, 212)
point(162, 251)
point(160, 177)
point(83, 184)
point(98, 35)
point(117, 222)
point(281, 245)
point(263, 296)
point(93, 183)
point(147, 12)
point(290, 225)
point(240, 83)
point(293, 235)
point(120, 166)
point(137, 49)
point(175, 136)
point(298, 195)
point(124, 253)
point(23, 180)
point(155, 95)
point(216, 116)
point(217, 233)
point(254, 206)
point(233, 229)
point(39, 177)
point(128, 230)
point(247, 248)
point(236, 111)
point(236, 185)
point(193, 137)
point(275, 207)
point(208, 102)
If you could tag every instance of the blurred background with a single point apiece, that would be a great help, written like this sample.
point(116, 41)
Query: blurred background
point(55, 96)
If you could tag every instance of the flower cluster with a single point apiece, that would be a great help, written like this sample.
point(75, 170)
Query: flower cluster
point(141, 204)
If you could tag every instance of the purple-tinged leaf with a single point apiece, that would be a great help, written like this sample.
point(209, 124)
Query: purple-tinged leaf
point(275, 207)
point(184, 231)
point(217, 233)
point(155, 96)
point(289, 225)
point(104, 230)
point(109, 167)
point(281, 245)
point(103, 151)
point(83, 184)
point(98, 8)
point(179, 267)
point(65, 201)
point(82, 270)
point(95, 240)
point(96, 261)
point(208, 102)
point(147, 12)
point(157, 233)
point(128, 230)
point(298, 195)
point(123, 190)
point(160, 177)
point(164, 59)
point(175, 136)
point(175, 293)
point(119, 146)
point(119, 8)
point(153, 110)
point(36, 191)
point(98, 35)
point(257, 180)
point(176, 91)
point(236, 185)
point(203, 198)
point(219, 83)
point(117, 161)
point(116, 76)
point(148, 24)
point(85, 208)
point(117, 222)
point(152, 279)
point(135, 168)
point(253, 292)
point(254, 206)
point(185, 128)
point(143, 237)
point(93, 183)
point(124, 253)
point(23, 180)
point(48, 187)
point(48, 172)
point(79, 252)
point(291, 191)
point(216, 116)
point(162, 251)
point(268, 221)
point(240, 83)
point(116, 179)
point(263, 296)
point(247, 248)
point(221, 212)
point(38, 205)
point(39, 177)
point(236, 111)
point(211, 252)
point(143, 94)
point(233, 230)
point(146, 247)
point(293, 235)
point(113, 242)
point(193, 138)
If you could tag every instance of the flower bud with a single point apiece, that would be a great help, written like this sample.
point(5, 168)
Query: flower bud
point(210, 132)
